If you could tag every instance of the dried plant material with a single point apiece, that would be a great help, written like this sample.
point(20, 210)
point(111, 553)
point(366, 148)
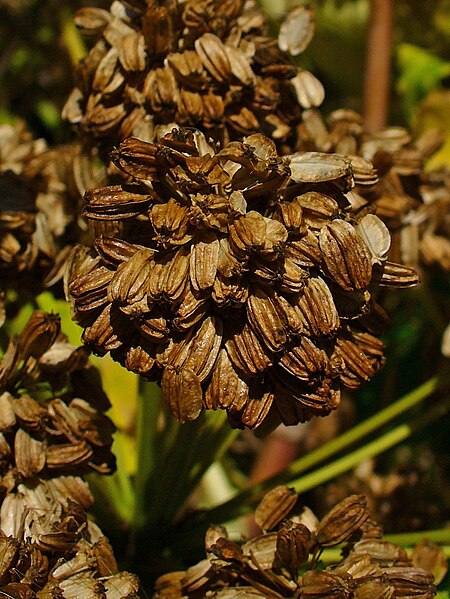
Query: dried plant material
point(199, 64)
point(388, 168)
point(54, 436)
point(39, 209)
point(48, 547)
point(297, 30)
point(241, 281)
point(284, 563)
point(274, 507)
point(342, 521)
point(431, 558)
point(376, 237)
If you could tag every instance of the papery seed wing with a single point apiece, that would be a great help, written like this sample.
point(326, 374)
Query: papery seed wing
point(297, 30)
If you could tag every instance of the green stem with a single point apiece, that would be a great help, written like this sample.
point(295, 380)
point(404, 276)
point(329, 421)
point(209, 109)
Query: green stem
point(334, 554)
point(242, 502)
point(72, 38)
point(441, 537)
point(364, 428)
point(127, 491)
point(195, 447)
point(148, 412)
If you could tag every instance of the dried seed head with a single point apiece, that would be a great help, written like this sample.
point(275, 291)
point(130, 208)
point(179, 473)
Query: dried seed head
point(206, 64)
point(431, 558)
point(46, 443)
point(40, 200)
point(413, 203)
point(268, 565)
point(237, 278)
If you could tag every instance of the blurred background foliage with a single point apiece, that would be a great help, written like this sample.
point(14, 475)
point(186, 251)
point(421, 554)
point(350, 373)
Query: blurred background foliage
point(38, 47)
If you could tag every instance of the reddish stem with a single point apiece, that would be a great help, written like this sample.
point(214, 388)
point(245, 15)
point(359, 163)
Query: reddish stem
point(378, 59)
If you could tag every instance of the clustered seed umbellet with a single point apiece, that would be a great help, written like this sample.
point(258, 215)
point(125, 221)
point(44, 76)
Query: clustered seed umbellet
point(209, 64)
point(40, 198)
point(285, 560)
point(239, 279)
point(413, 202)
point(53, 431)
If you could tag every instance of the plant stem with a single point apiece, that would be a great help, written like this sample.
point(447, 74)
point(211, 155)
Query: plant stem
point(364, 428)
point(441, 536)
point(148, 411)
point(243, 501)
point(378, 60)
point(72, 38)
point(334, 555)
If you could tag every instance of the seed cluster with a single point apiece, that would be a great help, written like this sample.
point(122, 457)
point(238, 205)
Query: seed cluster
point(284, 561)
point(239, 279)
point(413, 202)
point(40, 198)
point(209, 64)
point(53, 430)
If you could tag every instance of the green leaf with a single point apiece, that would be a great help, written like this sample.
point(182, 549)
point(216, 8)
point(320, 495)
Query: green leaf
point(420, 73)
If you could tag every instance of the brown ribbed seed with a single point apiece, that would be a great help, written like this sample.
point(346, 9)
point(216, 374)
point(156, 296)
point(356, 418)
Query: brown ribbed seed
point(139, 360)
point(128, 284)
point(246, 352)
point(152, 325)
point(257, 407)
point(214, 57)
point(274, 507)
point(325, 584)
point(411, 582)
point(305, 252)
point(92, 21)
point(190, 307)
point(291, 215)
point(346, 257)
point(305, 360)
point(431, 558)
point(343, 521)
point(29, 454)
point(203, 261)
point(108, 332)
point(38, 335)
point(198, 352)
point(247, 234)
point(170, 221)
point(356, 362)
point(168, 277)
point(227, 389)
point(266, 320)
point(229, 291)
point(294, 542)
point(398, 275)
point(240, 66)
point(374, 589)
point(188, 69)
point(67, 455)
point(316, 310)
point(132, 52)
point(318, 208)
point(116, 202)
point(137, 158)
point(160, 88)
point(182, 391)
